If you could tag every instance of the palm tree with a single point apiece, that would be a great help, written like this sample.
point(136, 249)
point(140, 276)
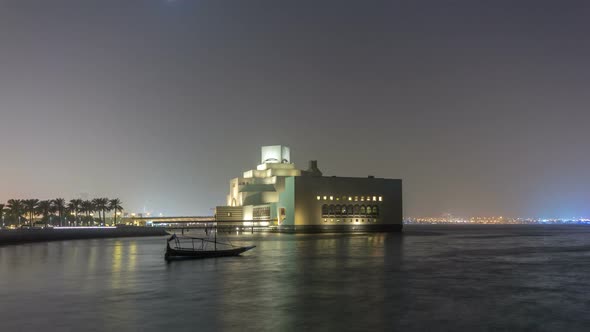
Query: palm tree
point(87, 207)
point(67, 213)
point(105, 207)
point(115, 206)
point(16, 209)
point(30, 207)
point(2, 213)
point(60, 205)
point(52, 211)
point(101, 206)
point(96, 205)
point(74, 206)
point(44, 209)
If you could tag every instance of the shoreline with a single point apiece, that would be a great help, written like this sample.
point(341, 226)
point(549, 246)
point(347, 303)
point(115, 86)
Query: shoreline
point(10, 237)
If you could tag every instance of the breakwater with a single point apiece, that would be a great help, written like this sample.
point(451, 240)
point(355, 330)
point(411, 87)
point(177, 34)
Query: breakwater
point(41, 235)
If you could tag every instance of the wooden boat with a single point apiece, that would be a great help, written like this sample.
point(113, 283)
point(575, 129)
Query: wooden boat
point(197, 247)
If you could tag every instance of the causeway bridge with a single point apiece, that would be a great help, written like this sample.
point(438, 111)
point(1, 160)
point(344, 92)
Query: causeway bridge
point(198, 222)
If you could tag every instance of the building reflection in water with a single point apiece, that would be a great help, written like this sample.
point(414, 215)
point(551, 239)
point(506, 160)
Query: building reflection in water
point(117, 259)
point(123, 284)
point(315, 277)
point(132, 256)
point(393, 283)
point(124, 262)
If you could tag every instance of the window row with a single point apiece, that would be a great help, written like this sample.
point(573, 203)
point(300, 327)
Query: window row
point(346, 210)
point(351, 198)
point(356, 220)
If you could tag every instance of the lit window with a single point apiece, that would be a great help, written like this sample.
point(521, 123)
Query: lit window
point(332, 220)
point(362, 198)
point(356, 198)
point(337, 198)
point(331, 198)
point(374, 198)
point(349, 198)
point(325, 198)
point(318, 198)
point(380, 198)
point(325, 220)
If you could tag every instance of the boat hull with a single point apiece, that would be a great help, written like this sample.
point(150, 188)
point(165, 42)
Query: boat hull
point(198, 254)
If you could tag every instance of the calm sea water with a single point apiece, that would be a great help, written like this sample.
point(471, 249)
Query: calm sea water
point(428, 278)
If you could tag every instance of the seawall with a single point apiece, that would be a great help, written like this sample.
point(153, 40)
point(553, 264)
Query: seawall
point(41, 235)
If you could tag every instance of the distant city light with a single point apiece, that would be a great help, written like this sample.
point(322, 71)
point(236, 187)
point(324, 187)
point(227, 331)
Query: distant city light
point(448, 219)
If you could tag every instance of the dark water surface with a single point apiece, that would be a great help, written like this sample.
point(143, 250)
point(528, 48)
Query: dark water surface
point(430, 278)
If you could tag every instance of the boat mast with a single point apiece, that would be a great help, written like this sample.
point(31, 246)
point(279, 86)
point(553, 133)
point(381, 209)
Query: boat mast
point(215, 242)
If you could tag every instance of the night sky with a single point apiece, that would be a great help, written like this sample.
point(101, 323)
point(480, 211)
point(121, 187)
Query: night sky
point(481, 107)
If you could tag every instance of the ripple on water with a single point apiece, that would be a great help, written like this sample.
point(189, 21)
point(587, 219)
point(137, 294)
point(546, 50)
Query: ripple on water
point(429, 278)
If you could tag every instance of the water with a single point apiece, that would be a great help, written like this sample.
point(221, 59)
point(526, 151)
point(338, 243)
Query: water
point(430, 278)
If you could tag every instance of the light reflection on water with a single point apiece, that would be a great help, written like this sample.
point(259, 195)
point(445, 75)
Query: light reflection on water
point(431, 277)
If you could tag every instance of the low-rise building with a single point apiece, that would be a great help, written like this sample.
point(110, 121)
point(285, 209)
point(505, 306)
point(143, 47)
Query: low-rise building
point(276, 193)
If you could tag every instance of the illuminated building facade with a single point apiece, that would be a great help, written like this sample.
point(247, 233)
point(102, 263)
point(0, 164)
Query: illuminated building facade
point(276, 193)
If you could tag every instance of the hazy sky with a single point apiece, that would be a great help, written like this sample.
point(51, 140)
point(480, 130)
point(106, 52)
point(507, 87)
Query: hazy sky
point(481, 107)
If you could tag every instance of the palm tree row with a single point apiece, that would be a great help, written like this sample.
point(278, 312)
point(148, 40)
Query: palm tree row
point(59, 213)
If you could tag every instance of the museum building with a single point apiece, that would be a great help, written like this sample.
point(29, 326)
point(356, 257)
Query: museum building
point(278, 194)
